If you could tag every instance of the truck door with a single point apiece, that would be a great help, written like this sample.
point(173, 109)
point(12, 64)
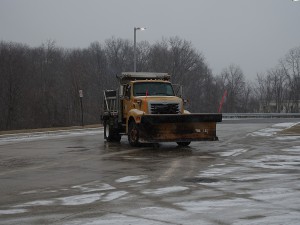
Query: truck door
point(126, 102)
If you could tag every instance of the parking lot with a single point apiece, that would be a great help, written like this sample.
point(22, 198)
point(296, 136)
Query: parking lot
point(250, 176)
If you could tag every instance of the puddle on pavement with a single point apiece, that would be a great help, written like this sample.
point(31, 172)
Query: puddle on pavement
point(15, 162)
point(77, 149)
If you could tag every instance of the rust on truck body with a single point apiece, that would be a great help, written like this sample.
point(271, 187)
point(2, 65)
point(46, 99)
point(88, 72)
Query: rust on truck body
point(179, 128)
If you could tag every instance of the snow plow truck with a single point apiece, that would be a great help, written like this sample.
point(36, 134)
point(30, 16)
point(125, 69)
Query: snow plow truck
point(149, 109)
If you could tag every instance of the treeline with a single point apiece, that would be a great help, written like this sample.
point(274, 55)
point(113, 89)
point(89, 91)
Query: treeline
point(279, 89)
point(39, 86)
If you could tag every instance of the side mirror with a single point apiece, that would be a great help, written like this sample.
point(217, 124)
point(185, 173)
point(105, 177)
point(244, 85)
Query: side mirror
point(186, 104)
point(185, 101)
point(178, 90)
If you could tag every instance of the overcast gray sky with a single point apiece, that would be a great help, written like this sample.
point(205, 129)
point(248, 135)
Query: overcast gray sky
point(253, 34)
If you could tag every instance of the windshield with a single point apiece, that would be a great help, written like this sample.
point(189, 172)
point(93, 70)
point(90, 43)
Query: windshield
point(153, 89)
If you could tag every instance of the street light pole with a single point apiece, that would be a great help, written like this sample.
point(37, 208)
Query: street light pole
point(134, 51)
point(134, 46)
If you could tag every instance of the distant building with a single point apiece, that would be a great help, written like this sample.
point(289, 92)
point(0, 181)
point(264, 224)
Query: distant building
point(284, 107)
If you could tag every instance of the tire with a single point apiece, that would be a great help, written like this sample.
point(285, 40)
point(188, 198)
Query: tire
point(106, 130)
point(183, 144)
point(116, 137)
point(133, 134)
point(111, 135)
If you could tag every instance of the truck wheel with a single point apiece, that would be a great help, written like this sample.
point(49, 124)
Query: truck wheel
point(106, 129)
point(133, 134)
point(109, 134)
point(183, 143)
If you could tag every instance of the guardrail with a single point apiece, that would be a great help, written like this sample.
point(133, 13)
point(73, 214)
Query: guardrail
point(261, 115)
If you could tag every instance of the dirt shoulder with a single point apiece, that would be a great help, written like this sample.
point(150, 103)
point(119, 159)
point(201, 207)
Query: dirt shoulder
point(292, 131)
point(48, 129)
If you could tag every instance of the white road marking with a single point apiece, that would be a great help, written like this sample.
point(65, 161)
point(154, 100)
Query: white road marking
point(131, 178)
point(170, 171)
point(165, 190)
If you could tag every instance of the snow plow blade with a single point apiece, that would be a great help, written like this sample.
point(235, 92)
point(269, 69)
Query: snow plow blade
point(178, 128)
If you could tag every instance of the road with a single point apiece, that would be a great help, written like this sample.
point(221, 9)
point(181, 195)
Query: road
point(250, 176)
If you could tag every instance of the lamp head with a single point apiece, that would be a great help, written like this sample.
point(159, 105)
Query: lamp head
point(140, 28)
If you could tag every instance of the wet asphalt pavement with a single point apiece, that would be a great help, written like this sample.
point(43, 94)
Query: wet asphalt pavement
point(250, 176)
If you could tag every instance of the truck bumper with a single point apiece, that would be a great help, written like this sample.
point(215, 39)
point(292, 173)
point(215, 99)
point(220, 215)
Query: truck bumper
point(178, 128)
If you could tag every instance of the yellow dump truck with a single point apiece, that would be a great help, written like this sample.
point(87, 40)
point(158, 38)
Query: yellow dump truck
point(149, 109)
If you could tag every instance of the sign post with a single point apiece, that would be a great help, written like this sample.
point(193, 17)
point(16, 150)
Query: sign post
point(81, 96)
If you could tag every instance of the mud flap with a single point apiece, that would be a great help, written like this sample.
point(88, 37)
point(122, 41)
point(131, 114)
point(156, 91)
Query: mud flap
point(179, 128)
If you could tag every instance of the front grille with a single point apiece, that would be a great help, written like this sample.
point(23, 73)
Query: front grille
point(167, 108)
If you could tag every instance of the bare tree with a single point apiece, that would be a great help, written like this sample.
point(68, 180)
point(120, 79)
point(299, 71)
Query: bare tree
point(142, 56)
point(263, 92)
point(119, 54)
point(159, 57)
point(185, 60)
point(13, 71)
point(278, 85)
point(290, 66)
point(234, 82)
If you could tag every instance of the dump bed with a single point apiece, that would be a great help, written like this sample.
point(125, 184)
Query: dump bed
point(126, 77)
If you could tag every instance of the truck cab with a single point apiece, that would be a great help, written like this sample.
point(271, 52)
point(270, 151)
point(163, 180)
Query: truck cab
point(151, 97)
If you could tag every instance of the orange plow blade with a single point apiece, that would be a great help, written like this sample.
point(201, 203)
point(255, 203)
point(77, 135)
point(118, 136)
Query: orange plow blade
point(179, 128)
